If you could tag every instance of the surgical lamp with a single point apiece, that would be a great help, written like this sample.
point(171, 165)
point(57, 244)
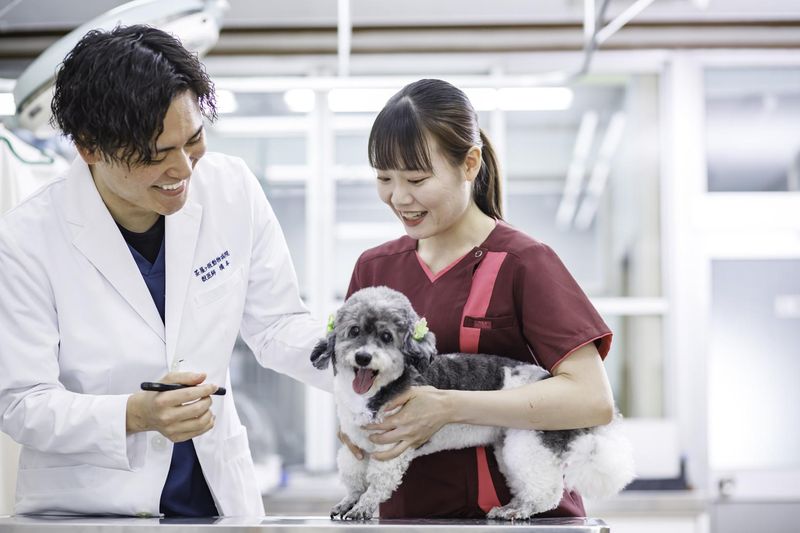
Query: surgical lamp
point(196, 23)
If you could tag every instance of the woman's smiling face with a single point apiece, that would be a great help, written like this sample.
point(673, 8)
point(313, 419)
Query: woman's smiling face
point(427, 202)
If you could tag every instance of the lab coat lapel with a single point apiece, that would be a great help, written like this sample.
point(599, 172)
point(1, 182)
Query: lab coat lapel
point(182, 231)
point(97, 237)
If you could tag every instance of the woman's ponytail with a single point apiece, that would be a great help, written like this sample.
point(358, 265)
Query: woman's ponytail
point(486, 190)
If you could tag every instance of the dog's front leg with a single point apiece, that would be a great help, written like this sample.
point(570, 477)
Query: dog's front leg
point(353, 473)
point(383, 477)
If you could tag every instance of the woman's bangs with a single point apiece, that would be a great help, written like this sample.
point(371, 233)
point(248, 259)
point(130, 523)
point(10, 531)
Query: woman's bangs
point(397, 142)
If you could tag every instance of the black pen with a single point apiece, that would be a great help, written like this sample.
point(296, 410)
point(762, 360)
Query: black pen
point(162, 387)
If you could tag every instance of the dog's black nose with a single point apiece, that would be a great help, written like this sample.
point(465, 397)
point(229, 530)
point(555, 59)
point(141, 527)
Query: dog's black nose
point(363, 359)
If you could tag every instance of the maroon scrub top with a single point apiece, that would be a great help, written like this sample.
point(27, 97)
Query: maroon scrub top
point(510, 296)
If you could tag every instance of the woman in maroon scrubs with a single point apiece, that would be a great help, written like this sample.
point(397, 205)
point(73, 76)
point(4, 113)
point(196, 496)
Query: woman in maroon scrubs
point(484, 287)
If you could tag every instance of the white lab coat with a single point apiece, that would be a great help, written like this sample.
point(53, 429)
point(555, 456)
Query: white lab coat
point(79, 331)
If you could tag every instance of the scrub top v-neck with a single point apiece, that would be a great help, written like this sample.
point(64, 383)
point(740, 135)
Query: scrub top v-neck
point(147, 249)
point(510, 296)
point(185, 492)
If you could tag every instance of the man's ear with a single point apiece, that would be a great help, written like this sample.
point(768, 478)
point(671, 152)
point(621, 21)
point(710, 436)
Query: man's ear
point(323, 352)
point(90, 157)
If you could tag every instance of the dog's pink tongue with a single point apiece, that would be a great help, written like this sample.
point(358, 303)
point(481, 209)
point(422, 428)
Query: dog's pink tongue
point(363, 380)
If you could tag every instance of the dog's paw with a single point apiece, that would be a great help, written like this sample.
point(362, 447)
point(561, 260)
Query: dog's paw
point(338, 511)
point(342, 507)
point(512, 511)
point(359, 512)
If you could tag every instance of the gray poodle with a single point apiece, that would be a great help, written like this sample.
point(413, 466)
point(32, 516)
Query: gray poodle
point(379, 347)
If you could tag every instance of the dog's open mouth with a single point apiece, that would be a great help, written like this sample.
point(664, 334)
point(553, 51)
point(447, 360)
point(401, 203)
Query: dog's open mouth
point(364, 379)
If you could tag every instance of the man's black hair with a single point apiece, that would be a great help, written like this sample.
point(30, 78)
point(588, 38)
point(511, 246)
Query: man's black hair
point(114, 88)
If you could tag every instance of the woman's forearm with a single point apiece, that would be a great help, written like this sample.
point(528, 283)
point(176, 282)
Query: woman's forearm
point(547, 405)
point(577, 396)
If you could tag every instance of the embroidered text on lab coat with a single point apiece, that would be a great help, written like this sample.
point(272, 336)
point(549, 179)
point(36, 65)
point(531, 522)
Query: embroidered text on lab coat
point(209, 270)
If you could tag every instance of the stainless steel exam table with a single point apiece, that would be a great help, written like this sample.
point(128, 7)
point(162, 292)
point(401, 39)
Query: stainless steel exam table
point(295, 524)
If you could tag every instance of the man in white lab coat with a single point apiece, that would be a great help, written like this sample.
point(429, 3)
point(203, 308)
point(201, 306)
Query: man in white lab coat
point(142, 264)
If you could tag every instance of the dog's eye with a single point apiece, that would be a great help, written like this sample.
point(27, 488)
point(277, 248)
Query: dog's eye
point(353, 332)
point(386, 337)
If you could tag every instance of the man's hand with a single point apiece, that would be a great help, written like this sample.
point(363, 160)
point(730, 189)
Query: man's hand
point(178, 415)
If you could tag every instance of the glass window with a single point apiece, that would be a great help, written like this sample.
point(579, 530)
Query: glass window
point(538, 149)
point(362, 222)
point(585, 181)
point(252, 104)
point(351, 148)
point(262, 154)
point(752, 129)
point(288, 200)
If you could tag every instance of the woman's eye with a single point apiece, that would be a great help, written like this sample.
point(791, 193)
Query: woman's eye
point(417, 182)
point(353, 332)
point(386, 337)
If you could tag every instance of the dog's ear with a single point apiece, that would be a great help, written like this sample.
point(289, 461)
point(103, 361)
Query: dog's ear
point(419, 353)
point(323, 352)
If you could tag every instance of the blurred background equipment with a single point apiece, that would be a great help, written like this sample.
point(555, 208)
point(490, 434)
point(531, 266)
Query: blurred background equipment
point(195, 22)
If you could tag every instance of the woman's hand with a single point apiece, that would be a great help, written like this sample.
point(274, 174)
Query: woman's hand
point(179, 415)
point(423, 411)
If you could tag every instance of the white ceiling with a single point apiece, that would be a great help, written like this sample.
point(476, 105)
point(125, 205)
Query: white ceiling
point(39, 15)
point(295, 37)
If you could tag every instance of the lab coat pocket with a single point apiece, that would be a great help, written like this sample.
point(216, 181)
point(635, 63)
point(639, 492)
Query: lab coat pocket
point(236, 446)
point(59, 479)
point(222, 288)
point(237, 489)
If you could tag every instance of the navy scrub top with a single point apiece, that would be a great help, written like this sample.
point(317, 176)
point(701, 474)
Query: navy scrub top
point(185, 493)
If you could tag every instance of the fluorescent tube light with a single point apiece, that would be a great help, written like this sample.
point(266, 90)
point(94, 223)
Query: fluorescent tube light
point(482, 99)
point(520, 98)
point(534, 98)
point(358, 100)
point(195, 22)
point(226, 101)
point(300, 100)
